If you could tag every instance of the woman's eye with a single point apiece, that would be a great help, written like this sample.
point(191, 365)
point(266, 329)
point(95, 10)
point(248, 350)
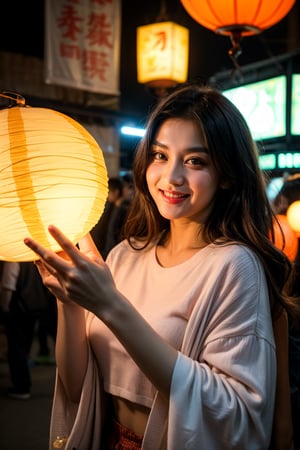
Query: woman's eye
point(196, 162)
point(158, 156)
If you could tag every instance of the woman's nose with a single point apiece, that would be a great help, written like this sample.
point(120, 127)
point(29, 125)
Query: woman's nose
point(174, 173)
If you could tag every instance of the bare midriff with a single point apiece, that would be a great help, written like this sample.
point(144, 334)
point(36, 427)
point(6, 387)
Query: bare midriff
point(131, 415)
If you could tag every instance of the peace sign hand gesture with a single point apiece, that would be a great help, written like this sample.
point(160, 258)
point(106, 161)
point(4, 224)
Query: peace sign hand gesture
point(77, 275)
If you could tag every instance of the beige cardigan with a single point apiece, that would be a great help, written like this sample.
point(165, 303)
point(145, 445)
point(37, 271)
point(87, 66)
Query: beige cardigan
point(223, 385)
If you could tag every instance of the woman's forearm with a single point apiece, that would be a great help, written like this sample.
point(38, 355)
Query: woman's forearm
point(71, 348)
point(155, 357)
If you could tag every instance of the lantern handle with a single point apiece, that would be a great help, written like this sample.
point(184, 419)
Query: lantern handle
point(163, 16)
point(235, 51)
point(17, 98)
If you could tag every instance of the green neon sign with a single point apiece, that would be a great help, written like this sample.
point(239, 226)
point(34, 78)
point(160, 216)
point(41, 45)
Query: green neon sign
point(288, 160)
point(268, 161)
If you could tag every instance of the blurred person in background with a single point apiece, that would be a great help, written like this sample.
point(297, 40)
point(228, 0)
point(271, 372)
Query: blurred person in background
point(23, 301)
point(101, 229)
point(119, 215)
point(46, 330)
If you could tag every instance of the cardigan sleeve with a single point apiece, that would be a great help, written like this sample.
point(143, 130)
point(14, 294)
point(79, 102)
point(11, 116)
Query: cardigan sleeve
point(78, 425)
point(226, 402)
point(224, 380)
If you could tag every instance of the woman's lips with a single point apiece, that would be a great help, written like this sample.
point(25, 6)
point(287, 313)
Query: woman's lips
point(173, 196)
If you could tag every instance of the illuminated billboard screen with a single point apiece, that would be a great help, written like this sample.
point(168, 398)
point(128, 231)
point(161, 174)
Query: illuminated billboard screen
point(263, 105)
point(295, 112)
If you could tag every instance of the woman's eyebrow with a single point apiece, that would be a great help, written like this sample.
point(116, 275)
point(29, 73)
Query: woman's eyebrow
point(159, 144)
point(196, 148)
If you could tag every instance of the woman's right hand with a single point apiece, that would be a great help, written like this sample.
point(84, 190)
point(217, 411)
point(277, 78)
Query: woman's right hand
point(76, 275)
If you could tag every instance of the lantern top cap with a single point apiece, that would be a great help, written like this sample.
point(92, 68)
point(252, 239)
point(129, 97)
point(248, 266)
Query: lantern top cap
point(242, 29)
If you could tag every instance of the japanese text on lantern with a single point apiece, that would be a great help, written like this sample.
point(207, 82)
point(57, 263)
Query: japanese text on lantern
point(162, 49)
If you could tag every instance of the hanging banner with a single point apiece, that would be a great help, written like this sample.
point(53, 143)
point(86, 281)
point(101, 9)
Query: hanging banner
point(82, 44)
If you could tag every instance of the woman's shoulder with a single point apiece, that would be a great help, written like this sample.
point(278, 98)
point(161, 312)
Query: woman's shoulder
point(233, 248)
point(235, 254)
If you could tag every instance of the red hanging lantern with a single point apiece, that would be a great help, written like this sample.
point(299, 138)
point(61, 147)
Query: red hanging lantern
point(237, 18)
point(289, 245)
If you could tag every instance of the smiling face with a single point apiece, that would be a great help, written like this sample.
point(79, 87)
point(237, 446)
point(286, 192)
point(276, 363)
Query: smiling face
point(181, 177)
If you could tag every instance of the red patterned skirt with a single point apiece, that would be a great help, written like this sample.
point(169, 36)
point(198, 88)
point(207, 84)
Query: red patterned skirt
point(118, 437)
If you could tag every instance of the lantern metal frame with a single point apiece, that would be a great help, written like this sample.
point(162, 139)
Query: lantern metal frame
point(14, 98)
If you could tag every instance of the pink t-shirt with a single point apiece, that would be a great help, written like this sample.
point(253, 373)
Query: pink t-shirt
point(164, 297)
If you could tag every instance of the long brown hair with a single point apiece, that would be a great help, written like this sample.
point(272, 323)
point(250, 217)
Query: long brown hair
point(242, 212)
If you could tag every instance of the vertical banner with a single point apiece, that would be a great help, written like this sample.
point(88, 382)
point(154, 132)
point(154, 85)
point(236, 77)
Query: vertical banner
point(82, 44)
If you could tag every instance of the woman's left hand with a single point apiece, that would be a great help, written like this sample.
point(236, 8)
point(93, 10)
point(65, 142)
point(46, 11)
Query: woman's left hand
point(78, 275)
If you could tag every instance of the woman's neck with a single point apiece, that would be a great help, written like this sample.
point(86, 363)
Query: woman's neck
point(180, 244)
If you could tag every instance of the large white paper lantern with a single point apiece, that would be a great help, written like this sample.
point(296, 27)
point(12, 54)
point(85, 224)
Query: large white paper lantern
point(52, 172)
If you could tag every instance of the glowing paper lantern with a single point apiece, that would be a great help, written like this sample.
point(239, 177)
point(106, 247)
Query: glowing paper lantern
point(162, 54)
point(250, 17)
point(52, 172)
point(237, 18)
point(293, 216)
point(289, 245)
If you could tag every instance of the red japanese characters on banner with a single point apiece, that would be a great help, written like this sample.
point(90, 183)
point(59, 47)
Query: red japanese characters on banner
point(83, 44)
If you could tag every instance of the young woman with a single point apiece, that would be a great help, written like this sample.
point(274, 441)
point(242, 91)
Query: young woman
point(169, 343)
